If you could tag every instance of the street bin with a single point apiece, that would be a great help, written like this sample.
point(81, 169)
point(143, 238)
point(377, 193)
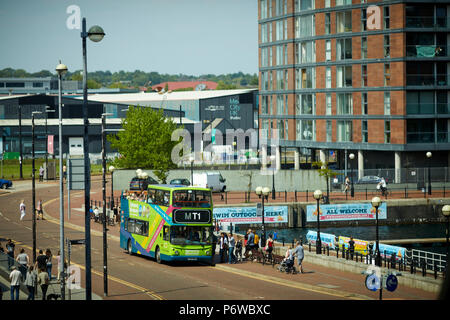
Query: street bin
point(50, 171)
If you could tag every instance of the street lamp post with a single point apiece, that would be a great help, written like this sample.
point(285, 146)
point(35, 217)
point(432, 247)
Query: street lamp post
point(428, 154)
point(263, 194)
point(446, 213)
point(95, 34)
point(352, 189)
point(273, 158)
point(61, 69)
point(318, 195)
point(376, 202)
point(191, 160)
point(33, 185)
point(111, 169)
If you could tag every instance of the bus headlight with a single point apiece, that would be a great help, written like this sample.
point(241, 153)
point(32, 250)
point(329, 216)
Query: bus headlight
point(208, 252)
point(176, 253)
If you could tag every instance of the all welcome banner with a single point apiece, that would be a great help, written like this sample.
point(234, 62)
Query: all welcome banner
point(345, 212)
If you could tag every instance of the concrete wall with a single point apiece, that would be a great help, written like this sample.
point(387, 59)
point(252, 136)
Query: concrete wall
point(238, 180)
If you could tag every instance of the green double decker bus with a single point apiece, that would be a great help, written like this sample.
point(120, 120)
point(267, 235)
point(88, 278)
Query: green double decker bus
point(168, 223)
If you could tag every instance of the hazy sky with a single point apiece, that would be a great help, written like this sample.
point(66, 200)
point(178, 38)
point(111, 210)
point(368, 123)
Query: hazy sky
point(192, 37)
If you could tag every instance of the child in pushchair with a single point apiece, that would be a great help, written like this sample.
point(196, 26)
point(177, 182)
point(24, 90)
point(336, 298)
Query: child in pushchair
point(287, 264)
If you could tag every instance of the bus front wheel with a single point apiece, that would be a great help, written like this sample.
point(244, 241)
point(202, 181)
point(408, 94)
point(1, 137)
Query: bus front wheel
point(129, 247)
point(158, 255)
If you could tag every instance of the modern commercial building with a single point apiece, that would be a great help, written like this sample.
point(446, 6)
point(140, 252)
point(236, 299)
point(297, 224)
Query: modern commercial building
point(363, 77)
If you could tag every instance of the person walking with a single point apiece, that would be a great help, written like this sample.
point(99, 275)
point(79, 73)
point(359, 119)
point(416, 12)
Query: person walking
point(10, 252)
point(41, 174)
point(41, 261)
point(232, 244)
point(347, 184)
point(22, 209)
point(40, 213)
point(24, 261)
point(49, 264)
point(300, 254)
point(16, 277)
point(223, 247)
point(30, 282)
point(43, 281)
point(269, 247)
point(351, 247)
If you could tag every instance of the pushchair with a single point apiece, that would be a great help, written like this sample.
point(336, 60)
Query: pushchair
point(287, 265)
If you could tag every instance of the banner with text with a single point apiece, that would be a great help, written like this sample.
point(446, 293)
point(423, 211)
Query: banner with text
point(346, 211)
point(247, 215)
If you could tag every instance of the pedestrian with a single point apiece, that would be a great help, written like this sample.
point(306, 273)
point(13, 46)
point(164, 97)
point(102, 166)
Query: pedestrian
point(49, 264)
point(43, 280)
point(22, 209)
point(269, 247)
point(300, 254)
point(30, 282)
point(232, 245)
point(275, 236)
point(214, 245)
point(10, 252)
point(347, 184)
point(238, 250)
point(41, 261)
point(256, 242)
point(223, 247)
point(64, 172)
point(40, 213)
point(41, 174)
point(351, 247)
point(250, 243)
point(16, 277)
point(24, 261)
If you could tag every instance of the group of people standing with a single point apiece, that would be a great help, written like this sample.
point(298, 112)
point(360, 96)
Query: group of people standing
point(31, 275)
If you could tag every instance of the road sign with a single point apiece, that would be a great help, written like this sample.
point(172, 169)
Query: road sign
point(79, 241)
point(259, 210)
point(372, 282)
point(391, 283)
point(76, 172)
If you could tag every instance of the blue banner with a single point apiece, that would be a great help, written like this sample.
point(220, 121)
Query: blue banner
point(327, 239)
point(345, 212)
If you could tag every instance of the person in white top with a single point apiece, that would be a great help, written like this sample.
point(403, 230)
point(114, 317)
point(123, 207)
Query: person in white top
point(16, 277)
point(382, 185)
point(22, 209)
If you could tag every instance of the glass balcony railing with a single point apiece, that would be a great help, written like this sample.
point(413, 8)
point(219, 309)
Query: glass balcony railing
point(427, 22)
point(427, 108)
point(427, 80)
point(427, 137)
point(427, 51)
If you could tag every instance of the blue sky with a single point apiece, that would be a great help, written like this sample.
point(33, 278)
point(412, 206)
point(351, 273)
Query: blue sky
point(191, 37)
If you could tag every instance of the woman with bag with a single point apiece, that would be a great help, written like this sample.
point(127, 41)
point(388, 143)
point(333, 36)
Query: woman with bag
point(48, 253)
point(269, 247)
point(30, 282)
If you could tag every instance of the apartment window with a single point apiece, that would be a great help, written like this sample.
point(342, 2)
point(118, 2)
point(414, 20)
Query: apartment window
point(343, 49)
point(344, 131)
point(264, 32)
point(305, 78)
point(387, 74)
point(364, 103)
point(328, 77)
point(327, 3)
point(306, 130)
point(386, 17)
point(301, 5)
point(363, 19)
point(263, 5)
point(344, 103)
point(280, 7)
point(270, 32)
point(364, 131)
point(344, 21)
point(281, 105)
point(387, 131)
point(327, 23)
point(329, 129)
point(280, 30)
point(343, 2)
point(264, 104)
point(280, 55)
point(327, 50)
point(264, 80)
point(364, 75)
point(387, 46)
point(304, 26)
point(264, 57)
point(280, 80)
point(387, 103)
point(305, 52)
point(306, 104)
point(363, 47)
point(343, 76)
point(328, 110)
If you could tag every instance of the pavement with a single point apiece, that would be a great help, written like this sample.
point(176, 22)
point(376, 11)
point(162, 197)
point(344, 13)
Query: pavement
point(318, 278)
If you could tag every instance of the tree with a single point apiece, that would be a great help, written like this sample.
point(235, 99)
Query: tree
point(324, 171)
point(145, 141)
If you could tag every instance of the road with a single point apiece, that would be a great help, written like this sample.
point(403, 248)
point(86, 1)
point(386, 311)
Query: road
point(138, 278)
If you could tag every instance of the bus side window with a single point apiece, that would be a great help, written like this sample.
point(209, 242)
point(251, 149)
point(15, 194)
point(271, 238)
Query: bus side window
point(166, 198)
point(166, 233)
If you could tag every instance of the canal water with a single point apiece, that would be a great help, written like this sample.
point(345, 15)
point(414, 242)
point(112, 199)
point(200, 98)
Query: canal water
point(388, 232)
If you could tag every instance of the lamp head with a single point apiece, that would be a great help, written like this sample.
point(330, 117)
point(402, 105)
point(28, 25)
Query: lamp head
point(61, 68)
point(96, 33)
point(318, 194)
point(111, 168)
point(376, 201)
point(429, 154)
point(351, 156)
point(266, 191)
point(446, 210)
point(258, 191)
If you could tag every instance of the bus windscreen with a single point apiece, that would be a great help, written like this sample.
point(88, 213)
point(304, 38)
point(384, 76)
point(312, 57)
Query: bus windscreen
point(184, 235)
point(192, 198)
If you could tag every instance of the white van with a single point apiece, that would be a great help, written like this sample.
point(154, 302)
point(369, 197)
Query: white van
point(211, 180)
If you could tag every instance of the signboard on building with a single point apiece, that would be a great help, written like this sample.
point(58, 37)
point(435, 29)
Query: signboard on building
point(345, 212)
point(248, 215)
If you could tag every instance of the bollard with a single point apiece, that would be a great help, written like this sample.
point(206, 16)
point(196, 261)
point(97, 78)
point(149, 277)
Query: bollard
point(412, 266)
point(309, 245)
point(337, 252)
point(306, 195)
point(328, 251)
point(435, 270)
point(343, 252)
point(283, 243)
point(385, 258)
point(285, 196)
point(406, 193)
point(424, 268)
point(295, 195)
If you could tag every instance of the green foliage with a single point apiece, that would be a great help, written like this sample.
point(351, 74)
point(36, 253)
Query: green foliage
point(324, 171)
point(145, 141)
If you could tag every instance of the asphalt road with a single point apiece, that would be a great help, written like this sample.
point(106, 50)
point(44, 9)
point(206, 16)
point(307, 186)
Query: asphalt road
point(138, 278)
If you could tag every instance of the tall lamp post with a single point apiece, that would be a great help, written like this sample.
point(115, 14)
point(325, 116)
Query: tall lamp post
point(33, 185)
point(273, 158)
point(318, 195)
point(428, 154)
point(95, 34)
point(376, 202)
point(263, 194)
point(61, 69)
point(191, 160)
point(446, 213)
point(111, 169)
point(352, 189)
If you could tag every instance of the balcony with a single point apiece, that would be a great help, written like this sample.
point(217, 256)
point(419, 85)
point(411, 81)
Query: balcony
point(427, 108)
point(427, 137)
point(427, 80)
point(427, 22)
point(427, 51)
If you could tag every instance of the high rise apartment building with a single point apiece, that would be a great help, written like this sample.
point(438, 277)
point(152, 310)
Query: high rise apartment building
point(363, 77)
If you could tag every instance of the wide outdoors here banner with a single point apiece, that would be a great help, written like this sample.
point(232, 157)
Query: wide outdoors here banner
point(248, 215)
point(345, 212)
